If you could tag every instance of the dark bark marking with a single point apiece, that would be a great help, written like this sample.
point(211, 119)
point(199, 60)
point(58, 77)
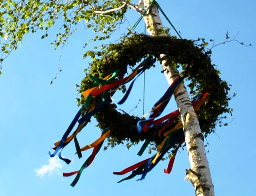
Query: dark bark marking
point(180, 94)
point(201, 187)
point(201, 167)
point(187, 103)
point(189, 171)
point(199, 135)
point(193, 148)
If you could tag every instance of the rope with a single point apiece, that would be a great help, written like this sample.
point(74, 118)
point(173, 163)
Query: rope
point(158, 6)
point(143, 14)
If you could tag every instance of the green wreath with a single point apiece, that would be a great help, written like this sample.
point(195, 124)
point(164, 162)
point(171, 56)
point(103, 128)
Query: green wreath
point(188, 54)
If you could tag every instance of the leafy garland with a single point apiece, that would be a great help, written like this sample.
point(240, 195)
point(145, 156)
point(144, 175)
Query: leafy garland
point(188, 54)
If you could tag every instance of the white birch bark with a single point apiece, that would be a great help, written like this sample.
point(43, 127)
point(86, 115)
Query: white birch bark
point(199, 173)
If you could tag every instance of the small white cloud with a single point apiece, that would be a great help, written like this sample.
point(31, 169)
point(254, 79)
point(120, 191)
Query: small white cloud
point(53, 166)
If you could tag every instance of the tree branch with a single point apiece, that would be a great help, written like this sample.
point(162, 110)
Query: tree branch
point(139, 8)
point(107, 11)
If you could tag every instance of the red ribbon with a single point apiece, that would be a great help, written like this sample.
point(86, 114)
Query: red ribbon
point(70, 173)
point(171, 162)
point(131, 168)
point(91, 158)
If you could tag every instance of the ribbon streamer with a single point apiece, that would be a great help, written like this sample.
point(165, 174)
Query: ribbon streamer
point(96, 143)
point(133, 167)
point(159, 106)
point(64, 137)
point(171, 162)
point(98, 90)
point(144, 146)
point(148, 63)
point(85, 165)
point(89, 159)
point(78, 151)
point(108, 86)
point(148, 165)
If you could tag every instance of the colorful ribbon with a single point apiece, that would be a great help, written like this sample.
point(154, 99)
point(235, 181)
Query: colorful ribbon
point(96, 143)
point(159, 106)
point(108, 86)
point(171, 162)
point(96, 147)
point(98, 90)
point(147, 165)
point(64, 137)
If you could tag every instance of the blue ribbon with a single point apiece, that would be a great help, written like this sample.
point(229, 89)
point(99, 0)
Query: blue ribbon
point(165, 100)
point(64, 137)
point(148, 64)
point(95, 110)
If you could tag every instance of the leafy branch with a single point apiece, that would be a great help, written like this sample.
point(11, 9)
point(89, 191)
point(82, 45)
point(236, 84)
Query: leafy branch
point(24, 17)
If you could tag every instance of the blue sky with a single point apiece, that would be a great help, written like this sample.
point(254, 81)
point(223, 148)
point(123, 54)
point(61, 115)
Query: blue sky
point(35, 114)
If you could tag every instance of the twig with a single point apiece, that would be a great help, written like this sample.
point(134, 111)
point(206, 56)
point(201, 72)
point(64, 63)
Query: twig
point(231, 40)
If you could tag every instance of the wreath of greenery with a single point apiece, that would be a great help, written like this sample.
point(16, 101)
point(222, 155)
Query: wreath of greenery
point(187, 54)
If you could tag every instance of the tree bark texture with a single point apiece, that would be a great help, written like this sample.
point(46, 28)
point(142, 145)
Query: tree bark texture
point(199, 173)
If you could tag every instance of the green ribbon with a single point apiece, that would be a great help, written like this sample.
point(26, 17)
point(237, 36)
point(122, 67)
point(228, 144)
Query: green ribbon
point(144, 146)
point(79, 153)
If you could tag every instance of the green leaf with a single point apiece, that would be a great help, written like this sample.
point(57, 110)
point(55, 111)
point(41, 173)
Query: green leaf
point(205, 44)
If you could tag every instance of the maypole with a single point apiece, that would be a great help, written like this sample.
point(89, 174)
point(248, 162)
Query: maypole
point(115, 65)
point(199, 173)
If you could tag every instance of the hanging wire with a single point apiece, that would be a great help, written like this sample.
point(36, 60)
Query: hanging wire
point(144, 82)
point(134, 27)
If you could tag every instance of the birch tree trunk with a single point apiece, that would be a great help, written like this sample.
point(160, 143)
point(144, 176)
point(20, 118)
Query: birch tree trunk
point(199, 173)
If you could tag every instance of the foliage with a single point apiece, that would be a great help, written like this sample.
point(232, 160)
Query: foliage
point(190, 55)
point(18, 18)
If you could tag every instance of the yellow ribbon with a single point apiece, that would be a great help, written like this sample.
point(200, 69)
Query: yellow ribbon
point(159, 148)
point(177, 126)
point(96, 143)
point(88, 92)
